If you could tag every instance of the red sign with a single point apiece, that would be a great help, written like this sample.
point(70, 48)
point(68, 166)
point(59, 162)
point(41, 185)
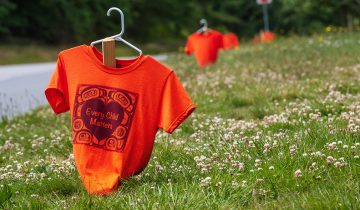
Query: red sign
point(263, 1)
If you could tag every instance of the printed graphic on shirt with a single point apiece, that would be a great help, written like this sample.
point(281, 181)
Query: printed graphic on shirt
point(102, 116)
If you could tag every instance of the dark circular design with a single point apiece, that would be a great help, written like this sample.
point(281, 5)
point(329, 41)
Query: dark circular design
point(77, 124)
point(111, 143)
point(83, 136)
point(120, 132)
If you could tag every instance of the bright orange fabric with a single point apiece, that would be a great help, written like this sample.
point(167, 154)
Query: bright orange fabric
point(267, 37)
point(115, 112)
point(230, 41)
point(205, 46)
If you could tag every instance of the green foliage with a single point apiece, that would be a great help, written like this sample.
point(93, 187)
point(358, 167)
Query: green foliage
point(65, 21)
point(5, 195)
point(6, 7)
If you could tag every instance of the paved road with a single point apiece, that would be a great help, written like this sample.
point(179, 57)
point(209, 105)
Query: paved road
point(22, 86)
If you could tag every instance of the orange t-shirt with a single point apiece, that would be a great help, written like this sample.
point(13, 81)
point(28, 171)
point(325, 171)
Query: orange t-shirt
point(115, 112)
point(267, 36)
point(230, 41)
point(205, 46)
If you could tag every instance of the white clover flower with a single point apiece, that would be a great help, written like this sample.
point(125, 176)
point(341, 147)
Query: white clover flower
point(329, 160)
point(243, 183)
point(158, 168)
point(241, 166)
point(275, 143)
point(205, 182)
point(298, 173)
point(234, 184)
point(259, 180)
point(318, 154)
point(271, 168)
point(218, 184)
point(337, 164)
point(251, 144)
point(332, 146)
point(341, 163)
point(313, 166)
point(293, 150)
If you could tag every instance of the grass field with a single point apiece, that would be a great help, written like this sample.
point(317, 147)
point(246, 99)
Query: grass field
point(277, 126)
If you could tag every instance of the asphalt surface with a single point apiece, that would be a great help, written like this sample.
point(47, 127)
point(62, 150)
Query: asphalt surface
point(22, 86)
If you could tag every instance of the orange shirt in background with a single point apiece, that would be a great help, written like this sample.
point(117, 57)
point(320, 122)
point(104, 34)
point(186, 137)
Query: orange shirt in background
point(205, 46)
point(267, 36)
point(115, 112)
point(230, 41)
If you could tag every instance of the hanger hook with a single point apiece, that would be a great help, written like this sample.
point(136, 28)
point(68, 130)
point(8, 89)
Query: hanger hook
point(204, 22)
point(121, 18)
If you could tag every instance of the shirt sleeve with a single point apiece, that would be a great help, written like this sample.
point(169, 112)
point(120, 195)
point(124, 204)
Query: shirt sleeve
point(57, 90)
point(188, 47)
point(175, 104)
point(221, 41)
point(235, 40)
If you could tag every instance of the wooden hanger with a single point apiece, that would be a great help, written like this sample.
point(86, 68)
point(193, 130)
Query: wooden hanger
point(108, 51)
